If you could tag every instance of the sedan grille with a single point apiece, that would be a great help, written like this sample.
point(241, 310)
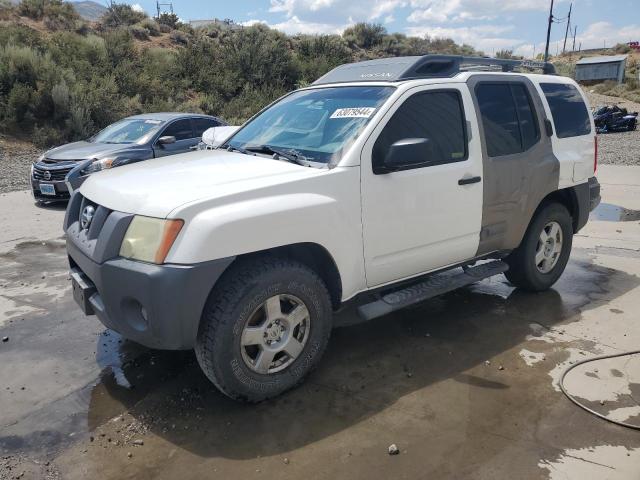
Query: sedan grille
point(53, 173)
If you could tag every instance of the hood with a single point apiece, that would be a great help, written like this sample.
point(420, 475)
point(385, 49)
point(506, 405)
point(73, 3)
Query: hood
point(156, 187)
point(85, 150)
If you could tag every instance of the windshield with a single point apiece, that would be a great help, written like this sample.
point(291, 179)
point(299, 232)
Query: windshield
point(136, 130)
point(315, 125)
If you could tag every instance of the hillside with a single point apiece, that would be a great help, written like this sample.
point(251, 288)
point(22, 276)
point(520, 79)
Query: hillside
point(89, 10)
point(62, 78)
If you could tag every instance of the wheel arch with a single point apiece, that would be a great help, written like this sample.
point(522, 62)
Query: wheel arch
point(314, 256)
point(575, 199)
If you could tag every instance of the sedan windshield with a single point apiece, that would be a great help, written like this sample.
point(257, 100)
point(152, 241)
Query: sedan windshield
point(136, 130)
point(311, 125)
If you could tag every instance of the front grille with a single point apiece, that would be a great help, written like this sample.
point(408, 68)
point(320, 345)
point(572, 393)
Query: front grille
point(101, 239)
point(54, 173)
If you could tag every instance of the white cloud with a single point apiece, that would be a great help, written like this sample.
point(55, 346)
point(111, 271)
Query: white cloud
point(598, 33)
point(137, 7)
point(487, 38)
point(333, 12)
point(294, 25)
point(460, 10)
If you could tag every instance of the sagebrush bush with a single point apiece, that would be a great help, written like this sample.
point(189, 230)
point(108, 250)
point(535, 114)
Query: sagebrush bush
point(68, 83)
point(139, 32)
point(151, 26)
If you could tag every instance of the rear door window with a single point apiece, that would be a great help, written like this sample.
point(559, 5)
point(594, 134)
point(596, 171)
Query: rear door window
point(569, 112)
point(181, 129)
point(508, 118)
point(200, 125)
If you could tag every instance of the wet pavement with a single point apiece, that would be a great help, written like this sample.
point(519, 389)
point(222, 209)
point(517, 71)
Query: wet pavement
point(465, 384)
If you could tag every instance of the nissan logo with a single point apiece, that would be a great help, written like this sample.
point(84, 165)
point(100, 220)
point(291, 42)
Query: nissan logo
point(47, 175)
point(87, 216)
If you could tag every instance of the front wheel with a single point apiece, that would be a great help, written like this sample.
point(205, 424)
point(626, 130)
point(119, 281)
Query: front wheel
point(264, 328)
point(544, 252)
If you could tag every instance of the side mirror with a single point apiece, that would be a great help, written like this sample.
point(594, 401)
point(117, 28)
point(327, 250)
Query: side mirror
point(166, 140)
point(216, 136)
point(407, 153)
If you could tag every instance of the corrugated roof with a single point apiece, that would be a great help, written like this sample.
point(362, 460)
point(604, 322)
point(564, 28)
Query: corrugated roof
point(603, 59)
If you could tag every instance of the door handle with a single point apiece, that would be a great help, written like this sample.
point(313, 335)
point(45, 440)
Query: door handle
point(469, 180)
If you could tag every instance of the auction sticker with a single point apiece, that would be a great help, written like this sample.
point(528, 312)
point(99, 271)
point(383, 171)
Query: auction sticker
point(355, 112)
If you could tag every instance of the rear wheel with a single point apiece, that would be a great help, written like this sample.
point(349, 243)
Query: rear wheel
point(544, 252)
point(264, 328)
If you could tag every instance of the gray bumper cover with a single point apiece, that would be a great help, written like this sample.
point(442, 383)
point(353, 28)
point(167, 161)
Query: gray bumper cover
point(158, 306)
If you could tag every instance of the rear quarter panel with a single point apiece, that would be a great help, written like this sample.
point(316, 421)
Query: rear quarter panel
point(575, 154)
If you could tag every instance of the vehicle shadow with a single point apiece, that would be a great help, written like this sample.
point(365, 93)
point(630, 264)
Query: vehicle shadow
point(53, 205)
point(367, 368)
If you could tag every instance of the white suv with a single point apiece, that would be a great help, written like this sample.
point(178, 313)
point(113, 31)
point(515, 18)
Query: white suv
point(384, 183)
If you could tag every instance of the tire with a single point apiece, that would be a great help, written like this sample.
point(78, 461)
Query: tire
point(241, 327)
point(524, 271)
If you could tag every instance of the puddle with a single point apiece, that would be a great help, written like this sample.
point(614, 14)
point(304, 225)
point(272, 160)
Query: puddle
point(607, 212)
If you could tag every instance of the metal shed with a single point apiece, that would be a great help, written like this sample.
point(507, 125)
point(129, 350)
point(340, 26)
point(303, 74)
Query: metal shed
point(597, 69)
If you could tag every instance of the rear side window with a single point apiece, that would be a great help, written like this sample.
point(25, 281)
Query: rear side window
point(570, 115)
point(436, 115)
point(181, 129)
point(202, 124)
point(508, 117)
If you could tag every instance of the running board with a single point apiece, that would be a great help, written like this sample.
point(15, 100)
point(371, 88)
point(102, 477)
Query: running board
point(434, 285)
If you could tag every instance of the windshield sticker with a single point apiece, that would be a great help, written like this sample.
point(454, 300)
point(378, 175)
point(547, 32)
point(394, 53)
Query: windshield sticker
point(356, 112)
point(153, 122)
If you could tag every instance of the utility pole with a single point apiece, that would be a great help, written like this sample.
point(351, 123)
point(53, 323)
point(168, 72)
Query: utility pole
point(546, 48)
point(575, 30)
point(566, 32)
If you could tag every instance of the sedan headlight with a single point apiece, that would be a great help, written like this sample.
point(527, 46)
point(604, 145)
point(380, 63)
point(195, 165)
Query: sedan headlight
point(97, 165)
point(149, 239)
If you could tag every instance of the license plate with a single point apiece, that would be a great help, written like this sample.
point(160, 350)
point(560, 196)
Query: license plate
point(47, 189)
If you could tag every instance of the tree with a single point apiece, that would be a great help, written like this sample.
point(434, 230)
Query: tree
point(169, 19)
point(504, 54)
point(365, 35)
point(120, 14)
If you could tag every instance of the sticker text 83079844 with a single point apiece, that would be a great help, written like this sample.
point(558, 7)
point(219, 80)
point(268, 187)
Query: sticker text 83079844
point(354, 112)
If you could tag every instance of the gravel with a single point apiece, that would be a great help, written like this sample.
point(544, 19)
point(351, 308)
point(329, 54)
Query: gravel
point(15, 160)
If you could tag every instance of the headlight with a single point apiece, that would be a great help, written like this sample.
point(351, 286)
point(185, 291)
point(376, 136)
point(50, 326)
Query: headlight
point(102, 164)
point(40, 158)
point(149, 239)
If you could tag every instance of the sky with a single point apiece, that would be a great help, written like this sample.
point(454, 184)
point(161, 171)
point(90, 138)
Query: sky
point(488, 25)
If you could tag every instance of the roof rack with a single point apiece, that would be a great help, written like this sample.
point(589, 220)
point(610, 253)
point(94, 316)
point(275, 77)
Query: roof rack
point(397, 69)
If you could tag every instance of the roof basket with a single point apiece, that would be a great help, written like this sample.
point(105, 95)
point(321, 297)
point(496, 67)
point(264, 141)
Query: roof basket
point(428, 66)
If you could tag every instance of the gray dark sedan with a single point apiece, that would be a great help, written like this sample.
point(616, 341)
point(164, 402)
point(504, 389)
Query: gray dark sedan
point(132, 139)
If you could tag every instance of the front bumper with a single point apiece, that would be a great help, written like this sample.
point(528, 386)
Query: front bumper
point(60, 189)
point(155, 305)
point(158, 306)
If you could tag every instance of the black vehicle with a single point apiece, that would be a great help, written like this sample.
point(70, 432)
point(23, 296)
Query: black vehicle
point(613, 118)
point(129, 140)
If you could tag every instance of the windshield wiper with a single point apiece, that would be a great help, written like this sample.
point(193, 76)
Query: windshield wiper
point(231, 148)
point(290, 155)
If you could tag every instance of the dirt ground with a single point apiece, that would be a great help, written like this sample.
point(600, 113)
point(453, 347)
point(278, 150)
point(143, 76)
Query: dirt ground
point(465, 384)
